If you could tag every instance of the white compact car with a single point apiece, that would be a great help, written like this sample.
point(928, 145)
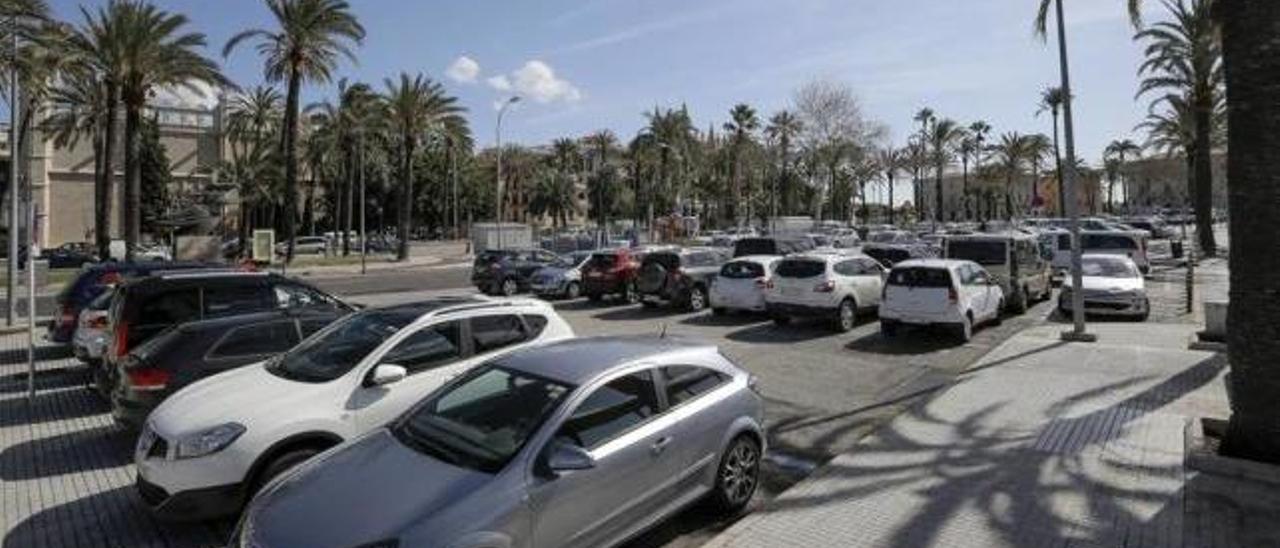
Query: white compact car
point(1112, 285)
point(825, 285)
point(92, 329)
point(940, 292)
point(741, 284)
point(209, 447)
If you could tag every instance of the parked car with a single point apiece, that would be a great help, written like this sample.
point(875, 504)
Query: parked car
point(94, 280)
point(186, 353)
point(141, 252)
point(309, 245)
point(959, 295)
point(1110, 242)
point(1013, 259)
point(741, 284)
point(143, 308)
point(1111, 286)
point(208, 448)
point(508, 271)
point(891, 254)
point(890, 237)
point(1153, 225)
point(583, 443)
point(562, 279)
point(681, 277)
point(772, 245)
point(612, 272)
point(829, 286)
point(92, 329)
point(70, 255)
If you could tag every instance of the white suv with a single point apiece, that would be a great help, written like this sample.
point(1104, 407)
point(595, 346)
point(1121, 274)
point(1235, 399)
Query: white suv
point(947, 292)
point(208, 448)
point(827, 285)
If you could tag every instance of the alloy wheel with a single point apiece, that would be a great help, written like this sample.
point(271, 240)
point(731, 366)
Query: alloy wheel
point(509, 287)
point(739, 475)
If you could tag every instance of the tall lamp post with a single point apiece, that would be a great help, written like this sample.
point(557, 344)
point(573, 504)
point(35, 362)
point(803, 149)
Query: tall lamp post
point(12, 263)
point(498, 141)
point(1077, 333)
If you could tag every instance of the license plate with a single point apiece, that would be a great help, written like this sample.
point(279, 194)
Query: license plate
point(790, 291)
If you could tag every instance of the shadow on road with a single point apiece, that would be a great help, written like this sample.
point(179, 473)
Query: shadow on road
point(637, 312)
point(67, 453)
point(909, 341)
point(769, 333)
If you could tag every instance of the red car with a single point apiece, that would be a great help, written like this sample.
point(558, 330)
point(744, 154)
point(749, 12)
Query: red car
point(612, 272)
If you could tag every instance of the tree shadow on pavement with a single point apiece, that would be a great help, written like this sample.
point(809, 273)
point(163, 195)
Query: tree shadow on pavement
point(46, 379)
point(907, 342)
point(1076, 477)
point(68, 453)
point(11, 356)
point(637, 312)
point(770, 333)
point(49, 406)
point(725, 320)
point(115, 517)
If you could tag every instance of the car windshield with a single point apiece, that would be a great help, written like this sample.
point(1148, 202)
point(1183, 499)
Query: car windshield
point(482, 420)
point(978, 251)
point(920, 277)
point(801, 268)
point(490, 257)
point(1108, 268)
point(332, 352)
point(742, 270)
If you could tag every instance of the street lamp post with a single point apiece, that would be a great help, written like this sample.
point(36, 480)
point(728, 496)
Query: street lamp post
point(498, 141)
point(14, 107)
point(364, 235)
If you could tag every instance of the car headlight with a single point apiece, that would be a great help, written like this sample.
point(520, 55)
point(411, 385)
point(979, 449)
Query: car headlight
point(208, 441)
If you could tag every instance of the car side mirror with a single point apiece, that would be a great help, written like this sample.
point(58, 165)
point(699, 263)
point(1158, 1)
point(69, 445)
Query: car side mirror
point(564, 457)
point(387, 373)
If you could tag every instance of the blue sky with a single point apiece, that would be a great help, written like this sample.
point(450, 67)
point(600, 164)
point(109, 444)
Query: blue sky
point(589, 64)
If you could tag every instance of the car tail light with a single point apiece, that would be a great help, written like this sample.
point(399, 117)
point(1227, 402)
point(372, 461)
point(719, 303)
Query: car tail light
point(122, 339)
point(825, 287)
point(147, 378)
point(68, 315)
point(952, 295)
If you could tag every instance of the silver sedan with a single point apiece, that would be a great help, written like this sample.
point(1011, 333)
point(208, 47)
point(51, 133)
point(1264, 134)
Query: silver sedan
point(581, 443)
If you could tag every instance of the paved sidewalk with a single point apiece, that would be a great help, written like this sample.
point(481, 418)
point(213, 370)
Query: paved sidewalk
point(1041, 443)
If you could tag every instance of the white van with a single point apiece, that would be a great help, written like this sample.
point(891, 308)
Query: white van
point(1131, 244)
point(1014, 261)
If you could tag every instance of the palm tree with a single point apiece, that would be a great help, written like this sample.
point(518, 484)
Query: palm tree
point(600, 144)
point(1183, 58)
point(891, 161)
point(943, 137)
point(552, 195)
point(978, 130)
point(926, 117)
point(154, 52)
point(1038, 147)
point(1010, 155)
point(415, 106)
point(1250, 38)
point(784, 126)
point(1119, 150)
point(1051, 101)
point(668, 131)
point(742, 125)
point(311, 36)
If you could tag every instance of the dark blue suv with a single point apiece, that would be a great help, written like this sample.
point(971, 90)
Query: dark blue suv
point(92, 281)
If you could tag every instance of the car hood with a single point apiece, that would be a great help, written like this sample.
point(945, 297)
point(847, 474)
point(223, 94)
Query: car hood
point(239, 395)
point(370, 490)
point(1104, 284)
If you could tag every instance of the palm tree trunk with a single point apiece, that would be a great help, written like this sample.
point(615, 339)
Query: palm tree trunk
point(406, 199)
point(1204, 177)
point(105, 195)
point(891, 185)
point(1250, 38)
point(937, 188)
point(290, 145)
point(132, 178)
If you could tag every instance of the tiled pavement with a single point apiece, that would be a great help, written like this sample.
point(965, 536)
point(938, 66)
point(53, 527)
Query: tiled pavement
point(1039, 444)
point(66, 474)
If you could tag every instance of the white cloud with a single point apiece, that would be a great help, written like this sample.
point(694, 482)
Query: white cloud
point(500, 83)
point(537, 81)
point(463, 69)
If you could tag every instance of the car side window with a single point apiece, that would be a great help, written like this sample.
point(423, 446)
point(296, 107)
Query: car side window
point(611, 411)
point(686, 382)
point(429, 348)
point(171, 307)
point(229, 300)
point(297, 296)
point(978, 277)
point(847, 268)
point(489, 333)
point(256, 340)
point(870, 266)
point(535, 324)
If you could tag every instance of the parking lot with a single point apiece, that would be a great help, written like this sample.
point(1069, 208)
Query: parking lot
point(67, 472)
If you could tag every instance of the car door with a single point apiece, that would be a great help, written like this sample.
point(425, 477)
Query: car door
point(618, 423)
point(427, 355)
point(696, 425)
point(986, 293)
point(871, 282)
point(845, 274)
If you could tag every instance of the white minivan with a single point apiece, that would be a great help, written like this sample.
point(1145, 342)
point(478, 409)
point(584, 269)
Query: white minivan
point(959, 295)
point(1131, 244)
point(833, 286)
point(208, 448)
point(741, 284)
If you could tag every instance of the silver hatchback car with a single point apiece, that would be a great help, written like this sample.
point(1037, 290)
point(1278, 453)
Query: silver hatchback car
point(580, 443)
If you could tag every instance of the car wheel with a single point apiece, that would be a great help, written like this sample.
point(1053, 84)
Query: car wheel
point(998, 317)
point(965, 330)
point(630, 294)
point(719, 311)
point(649, 304)
point(573, 291)
point(280, 465)
point(847, 316)
point(508, 287)
point(697, 299)
point(738, 475)
point(888, 329)
point(1146, 311)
